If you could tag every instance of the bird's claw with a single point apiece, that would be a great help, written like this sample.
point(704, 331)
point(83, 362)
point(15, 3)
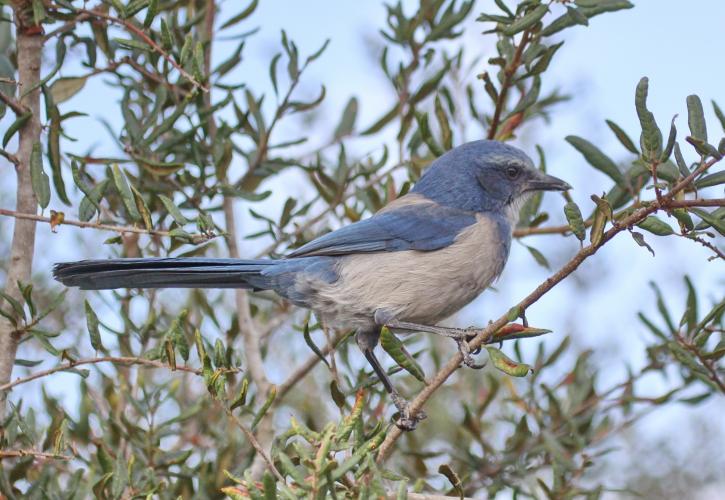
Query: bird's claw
point(406, 420)
point(465, 351)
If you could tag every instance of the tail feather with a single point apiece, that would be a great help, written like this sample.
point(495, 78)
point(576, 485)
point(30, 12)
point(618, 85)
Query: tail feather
point(164, 273)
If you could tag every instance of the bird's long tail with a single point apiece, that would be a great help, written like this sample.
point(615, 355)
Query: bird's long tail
point(164, 273)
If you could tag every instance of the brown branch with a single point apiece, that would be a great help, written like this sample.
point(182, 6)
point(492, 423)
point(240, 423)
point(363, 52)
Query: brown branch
point(715, 202)
point(509, 73)
point(29, 50)
point(68, 26)
point(125, 360)
point(10, 157)
point(17, 108)
point(455, 362)
point(706, 363)
point(32, 453)
point(148, 41)
point(256, 445)
point(77, 223)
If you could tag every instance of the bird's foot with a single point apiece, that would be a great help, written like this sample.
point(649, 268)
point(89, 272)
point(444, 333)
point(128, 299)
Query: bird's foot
point(406, 421)
point(466, 352)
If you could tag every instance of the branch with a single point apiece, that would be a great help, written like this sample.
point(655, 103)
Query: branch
point(148, 41)
point(91, 225)
point(256, 445)
point(127, 360)
point(509, 73)
point(17, 108)
point(484, 335)
point(29, 50)
point(715, 202)
point(32, 453)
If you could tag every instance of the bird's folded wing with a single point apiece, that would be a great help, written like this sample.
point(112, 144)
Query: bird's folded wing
point(422, 227)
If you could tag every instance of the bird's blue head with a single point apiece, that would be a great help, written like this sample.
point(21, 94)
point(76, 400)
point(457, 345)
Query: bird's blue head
point(485, 176)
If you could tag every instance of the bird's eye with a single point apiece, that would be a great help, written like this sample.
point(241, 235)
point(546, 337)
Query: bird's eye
point(512, 172)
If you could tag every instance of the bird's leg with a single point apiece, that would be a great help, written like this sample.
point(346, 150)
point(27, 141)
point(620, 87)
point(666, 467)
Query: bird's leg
point(366, 341)
point(460, 335)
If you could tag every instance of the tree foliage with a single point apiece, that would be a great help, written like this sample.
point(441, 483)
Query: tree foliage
point(173, 394)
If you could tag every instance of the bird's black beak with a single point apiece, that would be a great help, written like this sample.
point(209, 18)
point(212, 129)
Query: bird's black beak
point(546, 182)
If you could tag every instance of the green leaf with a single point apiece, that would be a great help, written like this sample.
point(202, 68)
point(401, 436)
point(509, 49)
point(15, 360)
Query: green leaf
point(575, 220)
point(719, 114)
point(597, 231)
point(64, 88)
point(696, 118)
point(596, 158)
point(15, 126)
point(271, 395)
point(173, 210)
point(396, 350)
point(93, 330)
point(241, 16)
point(718, 223)
point(241, 398)
point(711, 180)
point(651, 137)
point(455, 480)
point(623, 137)
point(639, 239)
point(529, 20)
point(347, 122)
point(506, 364)
point(119, 179)
point(151, 13)
point(538, 257)
point(311, 344)
point(430, 85)
point(90, 203)
point(337, 395)
point(690, 315)
point(656, 226)
point(54, 154)
point(38, 178)
point(383, 121)
point(131, 44)
point(680, 160)
point(670, 141)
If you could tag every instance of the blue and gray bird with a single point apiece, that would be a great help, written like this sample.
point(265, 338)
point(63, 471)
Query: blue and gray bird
point(414, 263)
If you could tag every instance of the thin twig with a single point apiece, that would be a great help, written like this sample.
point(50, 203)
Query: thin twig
point(17, 108)
point(455, 362)
point(77, 223)
point(125, 360)
point(509, 73)
point(148, 41)
point(32, 453)
point(706, 363)
point(256, 445)
point(715, 202)
point(10, 157)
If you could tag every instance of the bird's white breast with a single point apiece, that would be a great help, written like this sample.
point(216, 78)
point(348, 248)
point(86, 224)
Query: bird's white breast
point(420, 287)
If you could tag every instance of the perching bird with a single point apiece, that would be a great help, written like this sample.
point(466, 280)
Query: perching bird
point(414, 263)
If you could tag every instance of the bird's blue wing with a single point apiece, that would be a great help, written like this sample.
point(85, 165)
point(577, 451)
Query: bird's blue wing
point(422, 227)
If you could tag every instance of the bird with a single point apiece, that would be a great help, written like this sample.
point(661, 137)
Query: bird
point(415, 262)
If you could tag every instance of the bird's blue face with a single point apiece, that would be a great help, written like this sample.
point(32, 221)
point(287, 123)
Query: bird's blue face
point(485, 176)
